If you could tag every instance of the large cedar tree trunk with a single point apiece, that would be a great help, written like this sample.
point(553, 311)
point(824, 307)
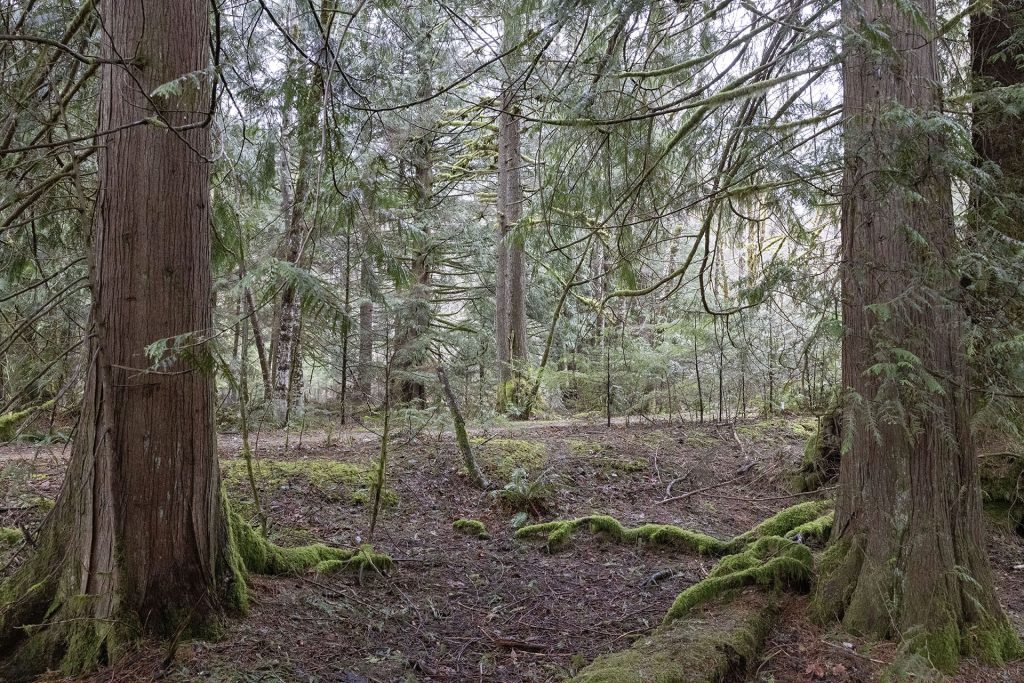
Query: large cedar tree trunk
point(907, 556)
point(138, 539)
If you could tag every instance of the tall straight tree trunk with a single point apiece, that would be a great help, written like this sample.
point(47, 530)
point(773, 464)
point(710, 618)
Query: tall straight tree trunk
point(907, 556)
point(286, 319)
point(261, 349)
point(510, 268)
point(138, 539)
point(414, 315)
point(364, 373)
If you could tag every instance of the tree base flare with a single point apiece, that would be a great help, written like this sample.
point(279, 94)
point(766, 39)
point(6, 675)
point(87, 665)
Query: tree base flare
point(939, 645)
point(44, 624)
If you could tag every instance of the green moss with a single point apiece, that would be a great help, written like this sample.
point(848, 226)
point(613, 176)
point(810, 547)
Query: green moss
point(816, 530)
point(9, 536)
point(339, 481)
point(828, 601)
point(501, 457)
point(584, 446)
point(994, 642)
point(609, 463)
point(471, 527)
point(559, 532)
point(696, 649)
point(770, 561)
point(784, 521)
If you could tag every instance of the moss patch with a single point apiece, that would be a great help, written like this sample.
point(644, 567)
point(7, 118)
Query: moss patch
point(701, 648)
point(611, 464)
point(501, 457)
point(471, 527)
point(9, 536)
point(336, 481)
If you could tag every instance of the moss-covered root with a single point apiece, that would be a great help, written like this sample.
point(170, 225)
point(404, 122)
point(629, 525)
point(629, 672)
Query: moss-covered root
point(783, 522)
point(817, 530)
point(255, 554)
point(701, 648)
point(559, 532)
point(770, 561)
point(471, 527)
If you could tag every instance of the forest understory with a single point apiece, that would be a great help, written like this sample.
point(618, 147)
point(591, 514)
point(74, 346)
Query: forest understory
point(458, 607)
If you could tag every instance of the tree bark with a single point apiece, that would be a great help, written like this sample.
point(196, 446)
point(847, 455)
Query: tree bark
point(138, 539)
point(510, 268)
point(907, 554)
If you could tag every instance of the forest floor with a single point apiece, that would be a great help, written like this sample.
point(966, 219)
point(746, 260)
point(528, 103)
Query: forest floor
point(459, 608)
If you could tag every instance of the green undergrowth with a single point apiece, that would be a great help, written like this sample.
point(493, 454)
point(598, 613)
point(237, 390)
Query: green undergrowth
point(501, 457)
point(710, 647)
point(471, 527)
point(336, 481)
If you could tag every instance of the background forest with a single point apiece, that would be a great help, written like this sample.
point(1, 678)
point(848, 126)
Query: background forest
point(613, 246)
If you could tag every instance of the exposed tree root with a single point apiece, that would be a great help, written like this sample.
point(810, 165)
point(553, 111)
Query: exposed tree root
point(699, 648)
point(771, 554)
point(559, 533)
point(802, 515)
point(771, 561)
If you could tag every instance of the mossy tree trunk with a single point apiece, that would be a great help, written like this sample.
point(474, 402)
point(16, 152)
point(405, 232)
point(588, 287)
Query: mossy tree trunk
point(138, 539)
point(907, 555)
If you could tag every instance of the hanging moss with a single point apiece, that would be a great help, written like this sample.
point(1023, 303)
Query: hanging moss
point(471, 527)
point(771, 561)
point(558, 533)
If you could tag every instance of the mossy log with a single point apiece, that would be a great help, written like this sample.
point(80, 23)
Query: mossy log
point(719, 645)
